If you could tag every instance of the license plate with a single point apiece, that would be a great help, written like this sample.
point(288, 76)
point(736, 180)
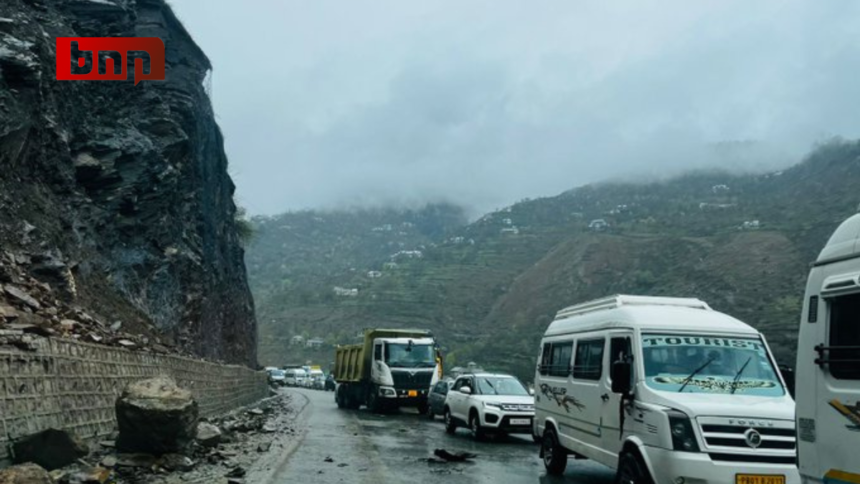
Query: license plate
point(413, 393)
point(758, 479)
point(520, 421)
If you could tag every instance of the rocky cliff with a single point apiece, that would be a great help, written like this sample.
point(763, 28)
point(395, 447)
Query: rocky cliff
point(115, 202)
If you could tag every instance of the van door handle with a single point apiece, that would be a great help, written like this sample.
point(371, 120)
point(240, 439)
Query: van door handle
point(605, 397)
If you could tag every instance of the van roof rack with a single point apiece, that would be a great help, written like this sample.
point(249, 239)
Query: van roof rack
point(617, 301)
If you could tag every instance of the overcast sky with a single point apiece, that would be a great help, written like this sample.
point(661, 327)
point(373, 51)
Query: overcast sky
point(330, 103)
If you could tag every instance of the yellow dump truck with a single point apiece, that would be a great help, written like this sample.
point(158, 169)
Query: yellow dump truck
point(391, 368)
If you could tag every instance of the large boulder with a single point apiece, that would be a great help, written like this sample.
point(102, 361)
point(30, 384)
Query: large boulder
point(156, 417)
point(51, 449)
point(25, 474)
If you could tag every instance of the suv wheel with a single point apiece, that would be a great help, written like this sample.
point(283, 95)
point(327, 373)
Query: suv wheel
point(631, 470)
point(554, 456)
point(475, 426)
point(450, 425)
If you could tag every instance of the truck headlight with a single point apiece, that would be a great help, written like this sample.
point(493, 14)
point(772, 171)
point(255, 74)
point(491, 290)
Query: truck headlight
point(683, 437)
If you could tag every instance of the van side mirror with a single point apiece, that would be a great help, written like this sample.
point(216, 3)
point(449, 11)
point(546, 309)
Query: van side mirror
point(789, 377)
point(465, 390)
point(621, 374)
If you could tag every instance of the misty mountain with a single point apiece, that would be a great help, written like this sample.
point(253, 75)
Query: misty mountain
point(489, 288)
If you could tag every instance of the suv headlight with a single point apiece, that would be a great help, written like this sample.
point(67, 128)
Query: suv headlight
point(493, 405)
point(683, 437)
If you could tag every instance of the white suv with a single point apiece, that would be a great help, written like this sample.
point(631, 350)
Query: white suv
point(489, 403)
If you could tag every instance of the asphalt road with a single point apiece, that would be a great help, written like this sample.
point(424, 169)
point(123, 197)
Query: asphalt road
point(366, 448)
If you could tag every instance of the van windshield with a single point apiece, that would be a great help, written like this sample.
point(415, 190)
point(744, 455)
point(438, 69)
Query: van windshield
point(709, 364)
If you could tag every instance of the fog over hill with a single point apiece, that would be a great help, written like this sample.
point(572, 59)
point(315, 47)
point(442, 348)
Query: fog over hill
point(483, 103)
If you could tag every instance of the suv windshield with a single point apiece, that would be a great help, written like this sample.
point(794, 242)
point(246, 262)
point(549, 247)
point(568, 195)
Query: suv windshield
point(709, 364)
point(501, 385)
point(410, 356)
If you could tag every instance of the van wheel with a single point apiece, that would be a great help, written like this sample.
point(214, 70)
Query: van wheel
point(430, 414)
point(450, 425)
point(554, 455)
point(631, 470)
point(475, 426)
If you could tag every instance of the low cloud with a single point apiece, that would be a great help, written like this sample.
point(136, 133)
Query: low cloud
point(330, 104)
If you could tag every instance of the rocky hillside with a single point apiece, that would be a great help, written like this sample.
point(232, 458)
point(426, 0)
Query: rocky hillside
point(490, 288)
point(116, 209)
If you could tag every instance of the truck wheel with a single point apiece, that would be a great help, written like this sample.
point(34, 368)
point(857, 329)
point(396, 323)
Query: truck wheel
point(554, 455)
point(338, 397)
point(373, 403)
point(475, 426)
point(424, 409)
point(450, 425)
point(631, 470)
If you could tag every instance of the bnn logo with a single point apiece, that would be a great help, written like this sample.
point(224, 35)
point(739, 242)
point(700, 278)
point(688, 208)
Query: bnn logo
point(87, 65)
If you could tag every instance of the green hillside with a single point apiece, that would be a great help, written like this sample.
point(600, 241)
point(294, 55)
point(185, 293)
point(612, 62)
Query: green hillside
point(489, 289)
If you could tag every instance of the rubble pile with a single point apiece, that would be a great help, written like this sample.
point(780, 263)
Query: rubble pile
point(37, 298)
point(224, 450)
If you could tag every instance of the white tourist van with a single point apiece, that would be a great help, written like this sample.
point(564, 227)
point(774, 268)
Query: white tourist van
point(828, 363)
point(666, 391)
point(295, 377)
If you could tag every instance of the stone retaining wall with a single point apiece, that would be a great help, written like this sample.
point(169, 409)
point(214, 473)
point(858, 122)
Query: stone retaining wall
point(69, 385)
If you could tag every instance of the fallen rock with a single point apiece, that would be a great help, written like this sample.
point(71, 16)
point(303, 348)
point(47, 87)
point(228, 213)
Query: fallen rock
point(109, 462)
point(175, 462)
point(155, 416)
point(452, 457)
point(25, 474)
point(88, 475)
point(237, 471)
point(264, 447)
point(51, 449)
point(7, 312)
point(135, 460)
point(21, 296)
point(208, 435)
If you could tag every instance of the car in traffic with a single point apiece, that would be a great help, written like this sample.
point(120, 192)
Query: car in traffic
point(277, 377)
point(489, 403)
point(436, 400)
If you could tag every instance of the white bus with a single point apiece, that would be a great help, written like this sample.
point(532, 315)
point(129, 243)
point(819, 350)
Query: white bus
point(666, 391)
point(828, 363)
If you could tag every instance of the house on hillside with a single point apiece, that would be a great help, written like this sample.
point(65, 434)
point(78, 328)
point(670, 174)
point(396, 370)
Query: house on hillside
point(720, 188)
point(750, 225)
point(408, 254)
point(374, 274)
point(389, 265)
point(315, 343)
point(297, 340)
point(507, 221)
point(598, 225)
point(510, 231)
point(344, 292)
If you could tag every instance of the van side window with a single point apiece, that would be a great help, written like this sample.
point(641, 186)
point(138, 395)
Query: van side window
point(619, 349)
point(589, 359)
point(545, 358)
point(844, 337)
point(559, 361)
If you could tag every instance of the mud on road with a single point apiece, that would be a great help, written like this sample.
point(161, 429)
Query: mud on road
point(358, 446)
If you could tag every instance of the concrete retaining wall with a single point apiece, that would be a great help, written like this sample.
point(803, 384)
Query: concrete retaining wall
point(69, 385)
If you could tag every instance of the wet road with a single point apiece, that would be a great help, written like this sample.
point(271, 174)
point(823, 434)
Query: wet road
point(368, 448)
